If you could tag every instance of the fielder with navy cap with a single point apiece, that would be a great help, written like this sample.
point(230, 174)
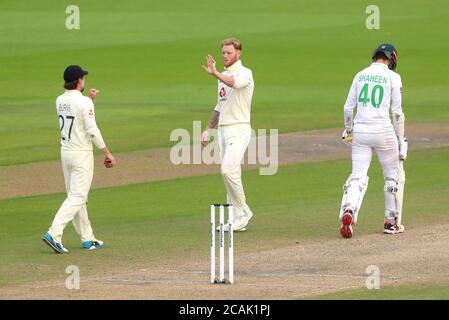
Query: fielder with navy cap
point(78, 128)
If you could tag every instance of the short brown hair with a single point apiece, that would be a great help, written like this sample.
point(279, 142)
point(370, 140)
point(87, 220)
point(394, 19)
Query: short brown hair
point(71, 85)
point(232, 42)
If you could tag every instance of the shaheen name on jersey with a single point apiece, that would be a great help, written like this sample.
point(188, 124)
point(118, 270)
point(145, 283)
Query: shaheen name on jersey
point(374, 91)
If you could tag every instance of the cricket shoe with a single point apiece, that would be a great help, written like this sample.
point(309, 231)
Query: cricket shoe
point(238, 225)
point(346, 224)
point(248, 216)
point(92, 245)
point(56, 246)
point(390, 228)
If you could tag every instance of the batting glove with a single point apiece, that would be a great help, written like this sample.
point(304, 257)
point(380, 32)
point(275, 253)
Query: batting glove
point(346, 137)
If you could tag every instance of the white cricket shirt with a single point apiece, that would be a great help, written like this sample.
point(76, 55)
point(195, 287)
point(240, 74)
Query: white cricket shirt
point(76, 115)
point(234, 103)
point(374, 91)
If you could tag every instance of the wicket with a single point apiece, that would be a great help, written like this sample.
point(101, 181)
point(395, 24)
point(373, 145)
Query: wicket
point(221, 241)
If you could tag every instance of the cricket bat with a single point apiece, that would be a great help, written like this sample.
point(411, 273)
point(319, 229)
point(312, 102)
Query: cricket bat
point(400, 193)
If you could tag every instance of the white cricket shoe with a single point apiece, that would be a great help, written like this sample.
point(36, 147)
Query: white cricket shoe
point(248, 216)
point(239, 224)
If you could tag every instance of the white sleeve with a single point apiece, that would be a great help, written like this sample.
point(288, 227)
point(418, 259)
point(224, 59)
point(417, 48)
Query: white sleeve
point(396, 94)
point(90, 125)
point(396, 106)
point(242, 80)
point(350, 104)
point(218, 105)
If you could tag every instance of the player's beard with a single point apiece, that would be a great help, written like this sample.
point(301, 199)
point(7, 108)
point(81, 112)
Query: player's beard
point(82, 89)
point(231, 61)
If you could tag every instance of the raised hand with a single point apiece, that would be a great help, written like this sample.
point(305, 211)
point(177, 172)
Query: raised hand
point(93, 93)
point(211, 65)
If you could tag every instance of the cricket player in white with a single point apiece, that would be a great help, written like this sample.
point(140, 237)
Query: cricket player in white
point(374, 91)
point(78, 130)
point(232, 114)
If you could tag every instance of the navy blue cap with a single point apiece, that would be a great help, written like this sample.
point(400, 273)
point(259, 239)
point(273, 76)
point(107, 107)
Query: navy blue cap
point(73, 73)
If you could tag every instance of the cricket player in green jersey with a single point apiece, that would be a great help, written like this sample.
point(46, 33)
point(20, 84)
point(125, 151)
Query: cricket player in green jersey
point(375, 92)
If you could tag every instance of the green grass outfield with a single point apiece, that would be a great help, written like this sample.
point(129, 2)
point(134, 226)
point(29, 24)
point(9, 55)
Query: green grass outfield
point(146, 57)
point(154, 222)
point(405, 292)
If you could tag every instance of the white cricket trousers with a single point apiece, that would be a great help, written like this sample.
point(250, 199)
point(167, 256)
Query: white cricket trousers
point(233, 140)
point(78, 168)
point(385, 145)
